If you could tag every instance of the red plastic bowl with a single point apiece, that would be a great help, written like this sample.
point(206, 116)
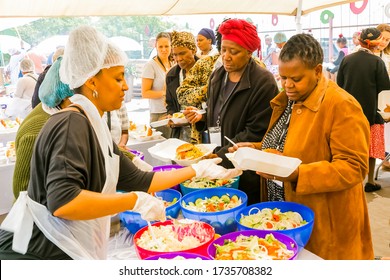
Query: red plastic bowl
point(201, 249)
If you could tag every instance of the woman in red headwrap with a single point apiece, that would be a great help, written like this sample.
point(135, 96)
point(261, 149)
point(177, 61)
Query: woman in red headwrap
point(239, 95)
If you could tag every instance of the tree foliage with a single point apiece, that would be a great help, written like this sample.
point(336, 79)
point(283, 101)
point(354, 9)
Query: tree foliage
point(139, 28)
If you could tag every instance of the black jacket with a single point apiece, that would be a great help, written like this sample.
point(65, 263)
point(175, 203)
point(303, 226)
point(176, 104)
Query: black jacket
point(364, 75)
point(244, 116)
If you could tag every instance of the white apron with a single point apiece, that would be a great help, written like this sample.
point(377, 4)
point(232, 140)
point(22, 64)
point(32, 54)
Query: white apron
point(79, 239)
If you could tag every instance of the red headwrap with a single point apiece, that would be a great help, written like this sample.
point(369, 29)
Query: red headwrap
point(242, 33)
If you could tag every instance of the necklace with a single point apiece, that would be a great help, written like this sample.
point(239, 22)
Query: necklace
point(162, 64)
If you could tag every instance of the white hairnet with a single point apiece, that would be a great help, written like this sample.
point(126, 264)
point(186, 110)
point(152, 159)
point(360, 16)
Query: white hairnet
point(86, 53)
point(27, 65)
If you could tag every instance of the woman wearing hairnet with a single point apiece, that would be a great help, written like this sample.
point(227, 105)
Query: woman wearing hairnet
point(54, 96)
point(65, 213)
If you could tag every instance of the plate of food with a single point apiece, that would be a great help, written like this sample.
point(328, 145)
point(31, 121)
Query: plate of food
point(147, 137)
point(187, 154)
point(181, 152)
point(142, 132)
point(179, 118)
point(384, 104)
point(385, 113)
point(267, 161)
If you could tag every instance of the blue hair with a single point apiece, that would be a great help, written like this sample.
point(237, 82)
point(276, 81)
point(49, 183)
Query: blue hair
point(52, 91)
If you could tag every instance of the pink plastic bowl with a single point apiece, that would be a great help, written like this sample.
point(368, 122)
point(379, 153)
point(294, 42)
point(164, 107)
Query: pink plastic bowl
point(171, 256)
point(201, 249)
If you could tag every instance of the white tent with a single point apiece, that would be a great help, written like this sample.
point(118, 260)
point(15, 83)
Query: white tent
point(126, 43)
point(58, 8)
point(49, 45)
point(11, 42)
point(6, 23)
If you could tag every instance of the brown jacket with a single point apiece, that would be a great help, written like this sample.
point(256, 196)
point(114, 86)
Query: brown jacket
point(330, 134)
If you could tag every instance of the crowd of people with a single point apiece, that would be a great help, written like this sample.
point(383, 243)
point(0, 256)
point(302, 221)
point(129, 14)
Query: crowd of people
point(285, 102)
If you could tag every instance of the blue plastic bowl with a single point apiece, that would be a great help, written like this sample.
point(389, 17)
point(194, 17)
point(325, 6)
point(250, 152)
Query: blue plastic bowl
point(170, 256)
point(234, 185)
point(168, 168)
point(222, 221)
point(133, 221)
point(287, 240)
point(300, 234)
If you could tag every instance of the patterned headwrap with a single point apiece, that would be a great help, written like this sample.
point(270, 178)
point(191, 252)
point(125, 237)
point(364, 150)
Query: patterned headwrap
point(183, 39)
point(242, 33)
point(370, 37)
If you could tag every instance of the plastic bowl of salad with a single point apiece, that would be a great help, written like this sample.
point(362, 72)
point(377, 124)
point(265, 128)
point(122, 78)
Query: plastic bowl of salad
point(253, 245)
point(178, 256)
point(289, 218)
point(173, 236)
point(195, 184)
point(137, 154)
point(217, 207)
point(133, 221)
point(168, 168)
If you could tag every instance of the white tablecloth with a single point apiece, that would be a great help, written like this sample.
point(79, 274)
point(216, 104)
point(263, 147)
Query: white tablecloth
point(6, 193)
point(144, 146)
point(7, 135)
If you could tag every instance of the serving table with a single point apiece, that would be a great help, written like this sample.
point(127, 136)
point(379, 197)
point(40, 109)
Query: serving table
point(143, 146)
point(7, 135)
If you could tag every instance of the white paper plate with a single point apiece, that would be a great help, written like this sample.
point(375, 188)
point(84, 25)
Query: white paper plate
point(383, 99)
point(179, 120)
point(141, 136)
point(256, 160)
point(166, 151)
point(159, 123)
point(385, 115)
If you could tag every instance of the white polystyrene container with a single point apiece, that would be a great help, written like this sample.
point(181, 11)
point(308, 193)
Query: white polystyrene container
point(256, 160)
point(166, 151)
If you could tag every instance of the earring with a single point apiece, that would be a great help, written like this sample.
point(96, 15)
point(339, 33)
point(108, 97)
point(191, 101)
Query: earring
point(95, 94)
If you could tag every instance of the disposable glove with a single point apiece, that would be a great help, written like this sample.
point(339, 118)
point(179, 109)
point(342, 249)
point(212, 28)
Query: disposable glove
point(150, 207)
point(208, 168)
point(142, 165)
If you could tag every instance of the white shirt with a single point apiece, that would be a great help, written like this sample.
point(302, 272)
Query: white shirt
point(26, 85)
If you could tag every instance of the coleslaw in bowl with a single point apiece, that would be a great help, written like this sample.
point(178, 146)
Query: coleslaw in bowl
point(289, 218)
point(253, 245)
point(174, 236)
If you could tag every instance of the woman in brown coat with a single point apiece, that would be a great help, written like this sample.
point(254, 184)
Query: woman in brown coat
point(318, 122)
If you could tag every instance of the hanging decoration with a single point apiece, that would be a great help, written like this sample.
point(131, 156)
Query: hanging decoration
point(387, 10)
point(275, 19)
point(325, 16)
point(357, 10)
point(147, 30)
point(212, 23)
